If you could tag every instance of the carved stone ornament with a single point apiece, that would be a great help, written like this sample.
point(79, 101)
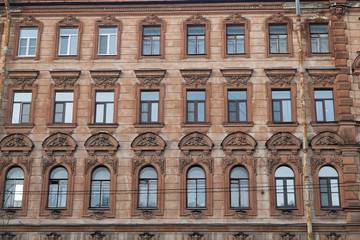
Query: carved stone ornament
point(316, 161)
point(146, 236)
point(105, 78)
point(195, 141)
point(106, 159)
point(327, 140)
point(283, 141)
point(273, 160)
point(152, 20)
point(23, 78)
point(196, 236)
point(137, 161)
point(97, 236)
point(287, 236)
point(323, 76)
point(237, 76)
point(245, 159)
point(195, 77)
point(147, 214)
point(150, 77)
point(48, 161)
point(196, 214)
point(356, 64)
point(240, 236)
point(278, 18)
point(276, 159)
point(53, 236)
point(239, 141)
point(101, 142)
point(184, 161)
point(148, 141)
point(59, 142)
point(29, 21)
point(235, 18)
point(208, 161)
point(338, 12)
point(333, 236)
point(108, 21)
point(69, 21)
point(16, 142)
point(280, 76)
point(196, 19)
point(160, 161)
point(63, 78)
point(8, 236)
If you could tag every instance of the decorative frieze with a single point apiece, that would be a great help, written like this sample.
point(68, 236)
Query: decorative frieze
point(280, 76)
point(146, 236)
point(23, 78)
point(105, 78)
point(150, 77)
point(195, 77)
point(65, 78)
point(283, 141)
point(237, 76)
point(323, 76)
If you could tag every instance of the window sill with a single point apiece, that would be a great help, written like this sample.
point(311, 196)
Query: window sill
point(200, 124)
point(99, 209)
point(106, 57)
point(282, 124)
point(324, 124)
point(55, 209)
point(285, 209)
point(61, 125)
point(240, 208)
point(103, 125)
point(26, 57)
point(269, 55)
point(238, 124)
point(149, 125)
point(20, 125)
point(196, 56)
point(332, 209)
point(237, 55)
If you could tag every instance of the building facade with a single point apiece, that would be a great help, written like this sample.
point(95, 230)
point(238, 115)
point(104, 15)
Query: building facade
point(153, 120)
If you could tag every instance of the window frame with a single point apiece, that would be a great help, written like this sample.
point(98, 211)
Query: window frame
point(107, 22)
point(196, 193)
point(68, 22)
point(238, 181)
point(5, 184)
point(329, 192)
point(318, 21)
point(196, 106)
point(280, 101)
point(236, 20)
point(64, 104)
point(322, 100)
point(193, 21)
point(101, 191)
point(28, 22)
point(285, 189)
point(95, 90)
point(151, 21)
point(248, 108)
point(279, 19)
point(150, 108)
point(58, 191)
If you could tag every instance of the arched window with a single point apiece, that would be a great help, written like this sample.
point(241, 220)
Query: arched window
point(285, 187)
point(329, 187)
point(148, 181)
point(195, 187)
point(239, 188)
point(100, 188)
point(58, 188)
point(14, 186)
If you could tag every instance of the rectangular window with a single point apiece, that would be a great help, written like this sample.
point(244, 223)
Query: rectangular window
point(149, 106)
point(195, 104)
point(235, 40)
point(195, 40)
point(68, 41)
point(324, 105)
point(63, 107)
point(27, 42)
point(237, 106)
point(278, 39)
point(104, 107)
point(281, 105)
point(107, 41)
point(151, 41)
point(319, 38)
point(21, 108)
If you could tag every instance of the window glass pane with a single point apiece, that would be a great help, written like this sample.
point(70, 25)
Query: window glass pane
point(280, 200)
point(315, 45)
point(59, 173)
point(323, 94)
point(148, 173)
point(16, 113)
point(276, 111)
point(68, 31)
point(324, 200)
point(200, 48)
point(242, 111)
point(196, 172)
point(201, 193)
point(63, 193)
point(15, 173)
point(234, 194)
point(323, 186)
point(68, 113)
point(101, 173)
point(231, 45)
point(286, 111)
point(52, 195)
point(22, 49)
point(150, 96)
point(107, 30)
point(95, 194)
point(334, 185)
point(147, 46)
point(100, 108)
point(195, 95)
point(196, 30)
point(63, 48)
point(239, 172)
point(319, 111)
point(318, 29)
point(284, 171)
point(324, 43)
point(329, 110)
point(73, 45)
point(283, 44)
point(152, 193)
point(143, 193)
point(201, 112)
point(191, 45)
point(237, 95)
point(274, 45)
point(103, 44)
point(291, 200)
point(335, 199)
point(277, 29)
point(64, 96)
point(104, 96)
point(109, 118)
point(235, 30)
point(240, 46)
point(328, 172)
point(105, 194)
point(156, 46)
point(244, 193)
point(280, 94)
point(154, 112)
point(191, 193)
point(22, 96)
point(28, 32)
point(151, 31)
point(113, 45)
point(9, 193)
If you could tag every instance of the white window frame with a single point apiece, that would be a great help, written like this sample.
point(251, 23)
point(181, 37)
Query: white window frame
point(69, 41)
point(28, 43)
point(108, 42)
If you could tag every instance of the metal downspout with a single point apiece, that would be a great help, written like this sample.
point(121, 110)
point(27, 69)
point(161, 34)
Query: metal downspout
point(303, 123)
point(5, 50)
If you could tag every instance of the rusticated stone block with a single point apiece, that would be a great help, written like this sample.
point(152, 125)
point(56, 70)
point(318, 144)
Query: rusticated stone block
point(344, 86)
point(343, 93)
point(343, 55)
point(339, 25)
point(348, 178)
point(345, 102)
point(346, 117)
point(339, 32)
point(344, 109)
point(340, 62)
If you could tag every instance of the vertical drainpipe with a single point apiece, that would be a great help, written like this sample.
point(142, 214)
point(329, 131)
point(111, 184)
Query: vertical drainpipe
point(303, 123)
point(5, 50)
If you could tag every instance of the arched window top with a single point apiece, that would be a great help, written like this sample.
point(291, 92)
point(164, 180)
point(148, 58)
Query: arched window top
point(101, 173)
point(284, 171)
point(239, 172)
point(148, 173)
point(196, 172)
point(15, 173)
point(328, 171)
point(59, 173)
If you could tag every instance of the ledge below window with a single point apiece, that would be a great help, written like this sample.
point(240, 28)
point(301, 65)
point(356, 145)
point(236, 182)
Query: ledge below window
point(102, 125)
point(149, 125)
point(238, 124)
point(201, 127)
point(324, 124)
point(19, 128)
point(63, 127)
point(282, 124)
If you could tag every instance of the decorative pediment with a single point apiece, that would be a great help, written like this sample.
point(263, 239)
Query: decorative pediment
point(16, 143)
point(105, 78)
point(280, 76)
point(69, 21)
point(59, 142)
point(283, 141)
point(195, 141)
point(23, 78)
point(101, 142)
point(65, 78)
point(148, 141)
point(29, 21)
point(323, 76)
point(235, 18)
point(237, 76)
point(356, 64)
point(196, 19)
point(195, 77)
point(152, 20)
point(278, 18)
point(150, 77)
point(108, 21)
point(326, 140)
point(239, 141)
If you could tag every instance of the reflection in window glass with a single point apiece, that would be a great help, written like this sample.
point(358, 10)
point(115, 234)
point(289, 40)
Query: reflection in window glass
point(14, 187)
point(324, 105)
point(195, 102)
point(100, 188)
point(196, 40)
point(285, 187)
point(27, 42)
point(107, 41)
point(281, 105)
point(196, 188)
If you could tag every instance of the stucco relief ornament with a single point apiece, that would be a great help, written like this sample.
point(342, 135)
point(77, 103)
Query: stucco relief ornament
point(65, 81)
point(70, 161)
point(160, 161)
point(280, 79)
point(53, 236)
point(146, 236)
point(46, 162)
point(337, 159)
point(240, 236)
point(108, 20)
point(4, 162)
point(59, 142)
point(196, 236)
point(69, 21)
point(152, 20)
point(227, 161)
point(196, 79)
point(283, 141)
point(196, 140)
point(97, 236)
point(105, 81)
point(137, 161)
point(326, 140)
point(16, 141)
point(148, 141)
point(278, 18)
point(338, 11)
point(207, 160)
point(112, 162)
point(333, 236)
point(184, 161)
point(102, 141)
point(8, 236)
point(29, 21)
point(150, 80)
point(239, 141)
point(26, 162)
point(22, 81)
point(196, 19)
point(295, 160)
point(323, 79)
point(316, 161)
point(272, 162)
point(237, 79)
point(287, 236)
point(235, 18)
point(89, 163)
